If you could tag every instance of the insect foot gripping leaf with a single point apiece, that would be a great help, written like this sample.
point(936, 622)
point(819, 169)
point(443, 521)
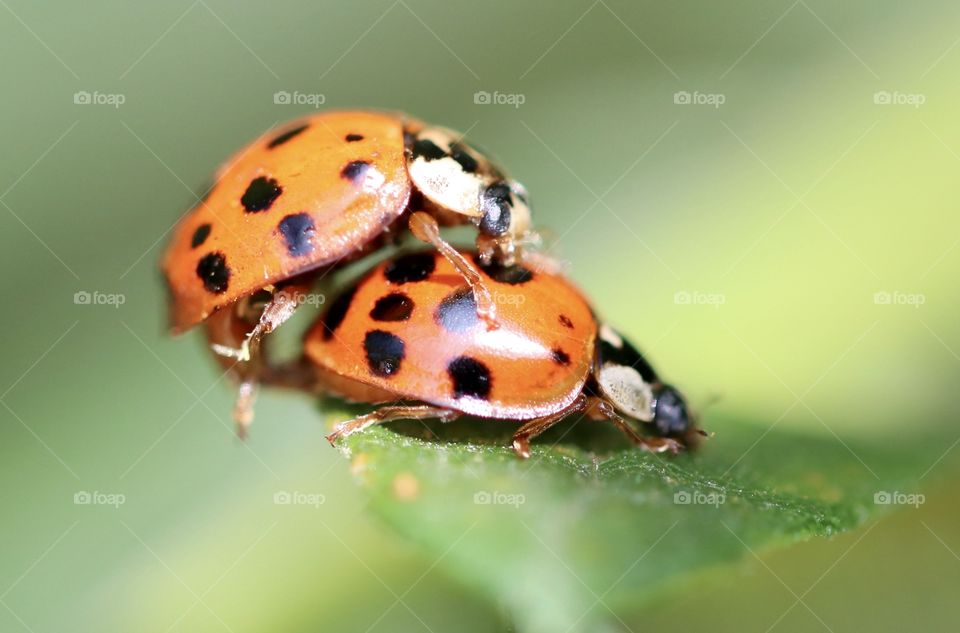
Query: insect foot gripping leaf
point(571, 540)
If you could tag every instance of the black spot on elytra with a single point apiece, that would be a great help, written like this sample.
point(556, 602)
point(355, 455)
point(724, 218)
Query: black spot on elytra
point(412, 267)
point(566, 322)
point(355, 171)
point(200, 235)
point(471, 378)
point(496, 204)
point(353, 138)
point(560, 357)
point(260, 195)
point(512, 275)
point(467, 162)
point(337, 311)
point(427, 150)
point(213, 272)
point(385, 352)
point(286, 136)
point(395, 306)
point(458, 311)
point(297, 231)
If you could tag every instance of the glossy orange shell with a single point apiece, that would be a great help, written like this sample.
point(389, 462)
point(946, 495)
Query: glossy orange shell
point(348, 209)
point(537, 361)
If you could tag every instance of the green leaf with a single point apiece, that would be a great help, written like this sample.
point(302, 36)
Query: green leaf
point(590, 528)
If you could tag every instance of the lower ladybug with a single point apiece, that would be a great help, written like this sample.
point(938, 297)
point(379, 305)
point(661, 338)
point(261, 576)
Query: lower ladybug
point(407, 334)
point(325, 190)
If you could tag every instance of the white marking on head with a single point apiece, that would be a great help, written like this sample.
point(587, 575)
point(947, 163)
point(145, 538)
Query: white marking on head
point(610, 335)
point(443, 182)
point(627, 391)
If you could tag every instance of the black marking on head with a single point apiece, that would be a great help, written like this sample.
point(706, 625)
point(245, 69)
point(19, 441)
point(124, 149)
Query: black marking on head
point(200, 235)
point(427, 150)
point(626, 355)
point(458, 311)
point(260, 194)
point(471, 378)
point(412, 267)
point(560, 357)
point(297, 231)
point(355, 171)
point(512, 275)
point(353, 138)
point(213, 272)
point(337, 311)
point(496, 204)
point(566, 322)
point(670, 415)
point(467, 162)
point(395, 306)
point(286, 136)
point(385, 351)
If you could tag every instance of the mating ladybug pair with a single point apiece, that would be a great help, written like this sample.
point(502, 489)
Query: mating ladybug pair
point(427, 332)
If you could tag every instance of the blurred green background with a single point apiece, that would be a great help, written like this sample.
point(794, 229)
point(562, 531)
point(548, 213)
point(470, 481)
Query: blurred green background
point(792, 250)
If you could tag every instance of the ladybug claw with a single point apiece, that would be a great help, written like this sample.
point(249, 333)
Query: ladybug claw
point(521, 448)
point(241, 354)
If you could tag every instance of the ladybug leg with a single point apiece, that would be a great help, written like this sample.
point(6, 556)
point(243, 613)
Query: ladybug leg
point(389, 414)
point(649, 443)
point(533, 428)
point(425, 228)
point(243, 407)
point(275, 313)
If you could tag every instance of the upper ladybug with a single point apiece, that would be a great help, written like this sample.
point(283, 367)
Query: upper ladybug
point(327, 189)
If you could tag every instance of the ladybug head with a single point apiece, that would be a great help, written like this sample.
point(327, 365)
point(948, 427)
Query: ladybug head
point(671, 417)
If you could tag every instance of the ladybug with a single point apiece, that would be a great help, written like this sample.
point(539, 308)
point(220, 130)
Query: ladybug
point(408, 334)
point(328, 189)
